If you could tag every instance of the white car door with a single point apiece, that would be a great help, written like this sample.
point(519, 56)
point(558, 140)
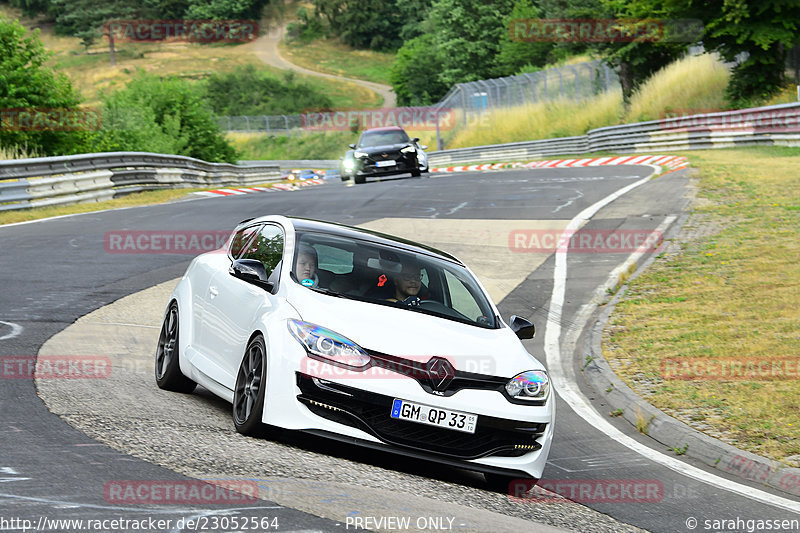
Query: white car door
point(235, 307)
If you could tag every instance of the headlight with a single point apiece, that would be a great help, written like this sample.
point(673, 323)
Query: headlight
point(408, 149)
point(360, 154)
point(349, 164)
point(328, 344)
point(531, 385)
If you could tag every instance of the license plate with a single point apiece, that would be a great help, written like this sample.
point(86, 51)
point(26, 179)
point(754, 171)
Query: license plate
point(389, 163)
point(434, 416)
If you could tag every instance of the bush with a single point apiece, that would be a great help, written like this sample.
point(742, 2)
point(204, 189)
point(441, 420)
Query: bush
point(247, 90)
point(167, 116)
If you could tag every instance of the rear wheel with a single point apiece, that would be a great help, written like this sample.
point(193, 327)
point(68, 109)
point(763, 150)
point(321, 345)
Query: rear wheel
point(250, 389)
point(168, 368)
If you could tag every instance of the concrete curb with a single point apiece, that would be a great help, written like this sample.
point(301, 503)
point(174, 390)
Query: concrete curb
point(667, 430)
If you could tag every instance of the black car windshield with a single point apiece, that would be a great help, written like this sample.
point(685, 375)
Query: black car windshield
point(383, 138)
point(384, 275)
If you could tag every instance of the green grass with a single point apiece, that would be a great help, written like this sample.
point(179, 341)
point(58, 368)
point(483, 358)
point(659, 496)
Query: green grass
point(333, 57)
point(731, 295)
point(256, 146)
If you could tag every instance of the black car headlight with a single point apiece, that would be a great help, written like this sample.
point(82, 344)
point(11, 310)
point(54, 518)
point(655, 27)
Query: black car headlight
point(532, 385)
point(327, 344)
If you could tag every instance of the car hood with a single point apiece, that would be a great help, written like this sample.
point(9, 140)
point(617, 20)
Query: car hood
point(416, 335)
point(384, 148)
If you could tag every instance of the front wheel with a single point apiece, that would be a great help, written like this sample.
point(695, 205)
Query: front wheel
point(250, 389)
point(359, 179)
point(168, 368)
point(415, 173)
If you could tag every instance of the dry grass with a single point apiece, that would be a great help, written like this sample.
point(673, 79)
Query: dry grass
point(542, 120)
point(16, 152)
point(694, 84)
point(334, 57)
point(732, 295)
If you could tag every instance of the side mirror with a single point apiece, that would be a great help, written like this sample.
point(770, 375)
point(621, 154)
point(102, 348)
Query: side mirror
point(252, 271)
point(415, 139)
point(523, 328)
point(352, 146)
point(423, 146)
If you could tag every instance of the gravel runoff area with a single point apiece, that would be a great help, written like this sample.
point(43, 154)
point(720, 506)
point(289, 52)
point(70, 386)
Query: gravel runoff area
point(194, 435)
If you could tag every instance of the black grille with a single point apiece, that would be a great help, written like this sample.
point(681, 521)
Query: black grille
point(370, 412)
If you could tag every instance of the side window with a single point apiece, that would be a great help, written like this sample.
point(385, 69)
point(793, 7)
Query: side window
point(241, 239)
point(461, 299)
point(267, 247)
point(334, 259)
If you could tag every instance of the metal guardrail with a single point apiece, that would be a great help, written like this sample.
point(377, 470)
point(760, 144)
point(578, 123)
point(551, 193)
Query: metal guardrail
point(91, 177)
point(772, 125)
point(45, 181)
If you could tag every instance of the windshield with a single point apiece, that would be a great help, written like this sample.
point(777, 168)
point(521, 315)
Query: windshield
point(383, 138)
point(383, 275)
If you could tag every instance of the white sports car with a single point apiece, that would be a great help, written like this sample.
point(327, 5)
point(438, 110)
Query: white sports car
point(361, 337)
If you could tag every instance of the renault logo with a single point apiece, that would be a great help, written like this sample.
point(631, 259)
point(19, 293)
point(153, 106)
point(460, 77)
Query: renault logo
point(440, 372)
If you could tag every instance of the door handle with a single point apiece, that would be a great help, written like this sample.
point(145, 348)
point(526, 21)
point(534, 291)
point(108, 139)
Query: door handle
point(213, 290)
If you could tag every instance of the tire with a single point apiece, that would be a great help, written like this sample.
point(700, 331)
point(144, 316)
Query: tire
point(250, 389)
point(167, 364)
point(359, 179)
point(415, 173)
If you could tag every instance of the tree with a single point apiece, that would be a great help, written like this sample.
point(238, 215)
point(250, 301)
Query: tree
point(225, 9)
point(762, 31)
point(467, 37)
point(514, 54)
point(415, 72)
point(26, 84)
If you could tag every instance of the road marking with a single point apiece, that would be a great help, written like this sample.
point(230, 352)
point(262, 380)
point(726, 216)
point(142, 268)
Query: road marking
point(16, 329)
point(565, 382)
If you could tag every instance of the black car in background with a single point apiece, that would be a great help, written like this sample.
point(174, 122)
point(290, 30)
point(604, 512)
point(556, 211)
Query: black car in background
point(383, 152)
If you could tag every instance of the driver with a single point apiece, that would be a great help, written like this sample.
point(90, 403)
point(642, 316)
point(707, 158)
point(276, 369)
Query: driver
point(407, 284)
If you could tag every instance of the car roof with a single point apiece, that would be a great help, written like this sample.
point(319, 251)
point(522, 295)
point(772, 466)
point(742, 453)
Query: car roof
point(342, 230)
point(385, 128)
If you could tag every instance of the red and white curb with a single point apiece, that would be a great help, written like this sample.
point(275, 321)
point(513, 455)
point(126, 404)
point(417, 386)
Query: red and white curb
point(250, 190)
point(670, 161)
